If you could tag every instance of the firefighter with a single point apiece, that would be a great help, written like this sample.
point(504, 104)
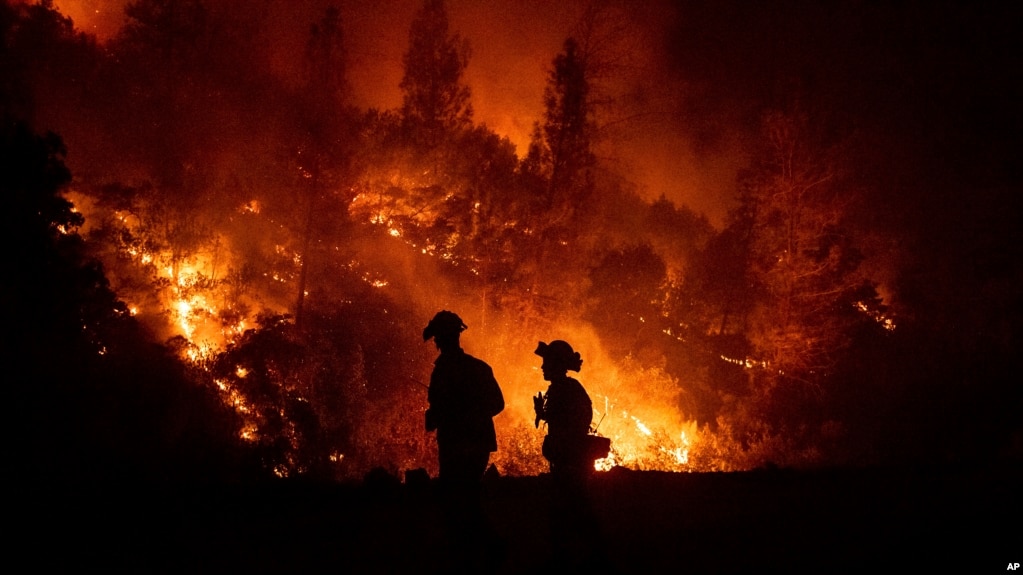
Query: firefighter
point(566, 408)
point(464, 397)
point(577, 542)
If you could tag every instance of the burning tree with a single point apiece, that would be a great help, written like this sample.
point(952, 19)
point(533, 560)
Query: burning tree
point(412, 185)
point(803, 256)
point(328, 133)
point(780, 291)
point(559, 153)
point(558, 181)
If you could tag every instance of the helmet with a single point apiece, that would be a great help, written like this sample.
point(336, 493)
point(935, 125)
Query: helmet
point(560, 353)
point(444, 323)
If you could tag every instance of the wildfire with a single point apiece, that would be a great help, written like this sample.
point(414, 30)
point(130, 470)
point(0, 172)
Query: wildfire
point(885, 321)
point(642, 427)
point(607, 463)
point(249, 432)
point(747, 363)
point(190, 293)
point(235, 399)
point(680, 453)
point(644, 443)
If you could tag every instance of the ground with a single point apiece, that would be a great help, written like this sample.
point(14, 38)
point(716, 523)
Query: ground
point(651, 522)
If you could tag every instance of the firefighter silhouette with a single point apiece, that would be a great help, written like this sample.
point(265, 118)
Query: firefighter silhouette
point(577, 543)
point(464, 397)
point(566, 408)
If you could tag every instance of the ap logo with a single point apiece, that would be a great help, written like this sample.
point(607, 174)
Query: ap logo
point(1013, 567)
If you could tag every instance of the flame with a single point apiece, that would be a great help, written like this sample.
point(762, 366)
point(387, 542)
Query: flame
point(886, 322)
point(249, 433)
point(637, 408)
point(607, 463)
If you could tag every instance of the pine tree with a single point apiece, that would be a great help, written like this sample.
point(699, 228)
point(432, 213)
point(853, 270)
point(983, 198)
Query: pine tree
point(325, 153)
point(436, 99)
point(558, 179)
point(560, 151)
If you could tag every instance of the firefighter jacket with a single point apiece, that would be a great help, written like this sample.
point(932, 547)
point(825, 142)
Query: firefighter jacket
point(567, 409)
point(464, 397)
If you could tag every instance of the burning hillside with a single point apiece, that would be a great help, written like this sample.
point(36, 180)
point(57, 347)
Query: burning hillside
point(291, 268)
point(264, 209)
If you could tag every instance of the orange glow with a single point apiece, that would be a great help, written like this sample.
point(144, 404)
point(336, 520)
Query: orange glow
point(638, 408)
point(101, 18)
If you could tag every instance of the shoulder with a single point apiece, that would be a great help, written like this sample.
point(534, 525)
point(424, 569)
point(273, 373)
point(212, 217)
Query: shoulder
point(476, 363)
point(576, 387)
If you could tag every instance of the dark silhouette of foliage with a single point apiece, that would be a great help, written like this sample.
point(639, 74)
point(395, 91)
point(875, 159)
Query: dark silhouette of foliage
point(100, 402)
point(560, 151)
point(627, 296)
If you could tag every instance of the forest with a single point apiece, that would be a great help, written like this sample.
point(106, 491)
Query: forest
point(224, 256)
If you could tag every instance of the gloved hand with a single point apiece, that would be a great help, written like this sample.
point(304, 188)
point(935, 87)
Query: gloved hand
point(538, 408)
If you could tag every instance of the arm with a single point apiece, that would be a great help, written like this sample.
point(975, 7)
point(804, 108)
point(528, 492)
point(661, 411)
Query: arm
point(434, 401)
point(492, 395)
point(538, 407)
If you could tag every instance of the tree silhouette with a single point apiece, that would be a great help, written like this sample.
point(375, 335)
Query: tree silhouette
point(435, 98)
point(801, 250)
point(559, 151)
point(558, 179)
point(89, 385)
point(328, 126)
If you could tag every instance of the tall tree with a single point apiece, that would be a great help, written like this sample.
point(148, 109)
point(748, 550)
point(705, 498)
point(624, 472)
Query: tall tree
point(326, 119)
point(557, 174)
point(803, 259)
point(435, 96)
point(326, 78)
point(560, 150)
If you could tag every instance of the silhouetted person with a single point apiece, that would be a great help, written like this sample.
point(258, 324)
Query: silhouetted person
point(567, 409)
point(576, 541)
point(464, 397)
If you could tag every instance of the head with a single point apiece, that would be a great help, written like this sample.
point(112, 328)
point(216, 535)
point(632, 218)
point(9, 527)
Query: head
point(558, 358)
point(444, 328)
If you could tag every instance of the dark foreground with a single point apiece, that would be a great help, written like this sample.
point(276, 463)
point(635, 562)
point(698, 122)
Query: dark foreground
point(769, 521)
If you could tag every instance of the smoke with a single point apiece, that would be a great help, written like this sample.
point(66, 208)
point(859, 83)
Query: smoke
point(693, 75)
point(100, 18)
point(651, 133)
